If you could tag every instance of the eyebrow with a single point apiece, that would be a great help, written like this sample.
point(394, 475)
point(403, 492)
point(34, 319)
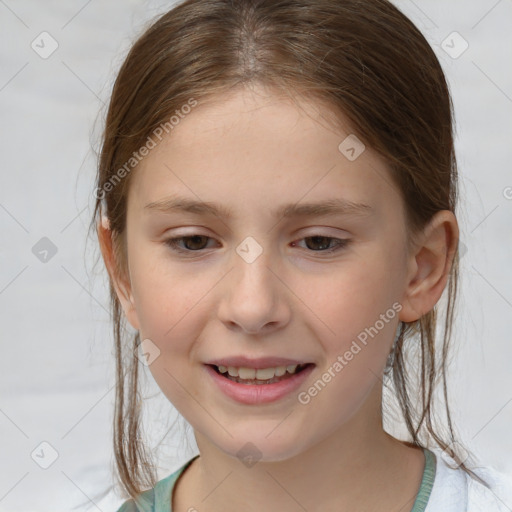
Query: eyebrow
point(331, 206)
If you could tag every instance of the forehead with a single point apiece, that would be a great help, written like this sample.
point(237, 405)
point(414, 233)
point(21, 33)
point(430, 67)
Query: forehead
point(256, 112)
point(255, 146)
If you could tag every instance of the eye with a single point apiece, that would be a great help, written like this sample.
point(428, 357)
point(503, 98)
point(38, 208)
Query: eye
point(193, 243)
point(325, 241)
point(197, 243)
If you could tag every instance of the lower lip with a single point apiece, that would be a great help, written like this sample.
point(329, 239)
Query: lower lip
point(259, 393)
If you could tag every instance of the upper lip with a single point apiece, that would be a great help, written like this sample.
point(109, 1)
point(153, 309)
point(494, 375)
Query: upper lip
point(262, 362)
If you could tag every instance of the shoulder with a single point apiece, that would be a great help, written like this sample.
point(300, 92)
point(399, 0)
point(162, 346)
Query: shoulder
point(159, 498)
point(498, 497)
point(144, 503)
point(456, 491)
point(128, 506)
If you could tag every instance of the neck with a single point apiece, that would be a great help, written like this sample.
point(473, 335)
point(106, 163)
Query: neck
point(357, 467)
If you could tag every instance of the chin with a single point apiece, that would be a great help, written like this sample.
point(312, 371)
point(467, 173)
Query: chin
point(260, 449)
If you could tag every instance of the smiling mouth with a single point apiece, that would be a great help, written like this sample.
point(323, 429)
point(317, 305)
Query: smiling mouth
point(273, 380)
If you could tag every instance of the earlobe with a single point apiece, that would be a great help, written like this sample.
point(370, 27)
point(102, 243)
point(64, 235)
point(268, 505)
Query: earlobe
point(121, 286)
point(430, 266)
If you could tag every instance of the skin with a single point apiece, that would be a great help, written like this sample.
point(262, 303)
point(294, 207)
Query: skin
point(253, 151)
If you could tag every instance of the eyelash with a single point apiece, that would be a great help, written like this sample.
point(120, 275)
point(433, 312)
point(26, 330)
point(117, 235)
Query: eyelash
point(341, 243)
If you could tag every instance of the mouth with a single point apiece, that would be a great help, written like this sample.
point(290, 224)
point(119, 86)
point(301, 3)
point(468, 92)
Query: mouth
point(250, 376)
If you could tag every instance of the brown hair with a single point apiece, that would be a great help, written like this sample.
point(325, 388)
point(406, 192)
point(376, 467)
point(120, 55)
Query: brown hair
point(363, 59)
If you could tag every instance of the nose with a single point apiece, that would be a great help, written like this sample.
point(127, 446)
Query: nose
point(254, 296)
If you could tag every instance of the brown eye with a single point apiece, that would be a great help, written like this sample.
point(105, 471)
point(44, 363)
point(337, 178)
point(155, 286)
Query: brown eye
point(193, 243)
point(322, 244)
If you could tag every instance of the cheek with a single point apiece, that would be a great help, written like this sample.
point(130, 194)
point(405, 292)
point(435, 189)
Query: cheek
point(168, 311)
point(172, 310)
point(356, 314)
point(167, 300)
point(356, 311)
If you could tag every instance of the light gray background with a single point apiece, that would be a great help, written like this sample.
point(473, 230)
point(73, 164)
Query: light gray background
point(57, 358)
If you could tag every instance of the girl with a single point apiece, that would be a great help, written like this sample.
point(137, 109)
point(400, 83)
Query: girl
point(275, 208)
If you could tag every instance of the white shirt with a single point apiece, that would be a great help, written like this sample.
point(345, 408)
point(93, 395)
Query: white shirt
point(456, 491)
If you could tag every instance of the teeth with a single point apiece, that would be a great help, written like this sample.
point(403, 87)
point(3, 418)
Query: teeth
point(260, 374)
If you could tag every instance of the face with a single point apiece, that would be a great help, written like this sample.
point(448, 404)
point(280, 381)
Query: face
point(323, 288)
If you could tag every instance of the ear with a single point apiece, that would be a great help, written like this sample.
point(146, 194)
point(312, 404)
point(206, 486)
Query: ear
point(121, 283)
point(430, 265)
